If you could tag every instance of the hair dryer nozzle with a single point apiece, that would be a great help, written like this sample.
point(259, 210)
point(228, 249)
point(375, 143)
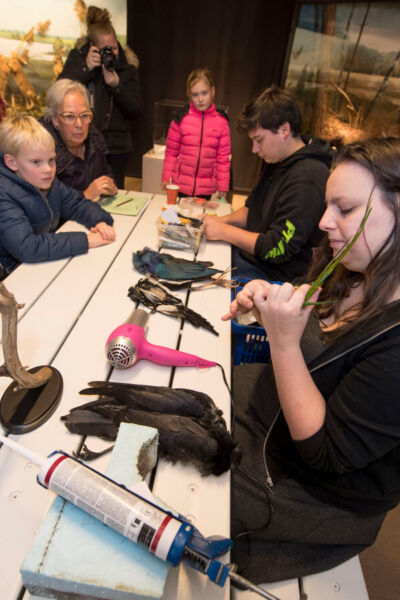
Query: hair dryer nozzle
point(127, 344)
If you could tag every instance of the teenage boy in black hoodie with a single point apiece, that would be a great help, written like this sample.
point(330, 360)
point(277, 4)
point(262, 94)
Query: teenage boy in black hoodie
point(275, 232)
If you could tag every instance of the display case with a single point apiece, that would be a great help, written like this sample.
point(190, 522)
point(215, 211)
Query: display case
point(164, 112)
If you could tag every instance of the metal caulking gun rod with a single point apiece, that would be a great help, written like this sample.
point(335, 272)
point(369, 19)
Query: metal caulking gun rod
point(251, 586)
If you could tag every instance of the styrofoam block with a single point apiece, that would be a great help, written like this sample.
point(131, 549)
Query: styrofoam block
point(76, 556)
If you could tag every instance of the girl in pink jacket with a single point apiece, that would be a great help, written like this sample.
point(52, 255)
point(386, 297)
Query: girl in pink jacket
point(197, 156)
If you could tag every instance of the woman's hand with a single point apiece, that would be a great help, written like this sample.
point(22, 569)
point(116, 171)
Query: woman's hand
point(102, 186)
point(244, 301)
point(164, 185)
point(93, 58)
point(107, 232)
point(283, 315)
point(284, 319)
point(111, 78)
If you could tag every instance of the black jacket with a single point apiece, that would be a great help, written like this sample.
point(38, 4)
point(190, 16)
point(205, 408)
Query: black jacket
point(285, 208)
point(72, 170)
point(353, 461)
point(113, 108)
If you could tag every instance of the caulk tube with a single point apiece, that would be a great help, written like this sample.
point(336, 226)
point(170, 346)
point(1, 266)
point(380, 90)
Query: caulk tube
point(160, 532)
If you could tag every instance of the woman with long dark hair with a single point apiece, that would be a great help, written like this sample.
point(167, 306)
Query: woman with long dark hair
point(319, 427)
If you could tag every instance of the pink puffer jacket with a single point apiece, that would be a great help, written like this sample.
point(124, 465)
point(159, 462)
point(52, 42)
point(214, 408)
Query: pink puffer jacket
point(197, 156)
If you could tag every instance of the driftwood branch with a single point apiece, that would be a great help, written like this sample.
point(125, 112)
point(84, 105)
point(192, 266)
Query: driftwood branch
point(13, 367)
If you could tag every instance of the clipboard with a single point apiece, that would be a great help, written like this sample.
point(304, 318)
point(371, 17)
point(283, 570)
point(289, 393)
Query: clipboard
point(123, 203)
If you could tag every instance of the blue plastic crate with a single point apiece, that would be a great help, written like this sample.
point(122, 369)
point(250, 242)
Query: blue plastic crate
point(250, 344)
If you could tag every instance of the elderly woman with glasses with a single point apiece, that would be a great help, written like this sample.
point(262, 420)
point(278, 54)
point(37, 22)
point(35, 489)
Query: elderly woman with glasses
point(80, 147)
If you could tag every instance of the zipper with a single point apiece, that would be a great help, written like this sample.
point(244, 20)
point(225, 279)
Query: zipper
point(268, 479)
point(198, 160)
point(48, 206)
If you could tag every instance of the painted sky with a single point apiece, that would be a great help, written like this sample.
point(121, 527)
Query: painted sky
point(21, 15)
point(382, 27)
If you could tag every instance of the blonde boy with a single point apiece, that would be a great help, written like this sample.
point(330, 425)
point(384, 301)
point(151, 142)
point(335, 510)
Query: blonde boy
point(33, 200)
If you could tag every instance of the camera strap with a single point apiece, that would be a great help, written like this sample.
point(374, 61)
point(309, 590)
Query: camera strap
point(108, 115)
point(90, 87)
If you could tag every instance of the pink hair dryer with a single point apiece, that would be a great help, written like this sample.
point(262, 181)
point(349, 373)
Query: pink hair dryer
point(127, 344)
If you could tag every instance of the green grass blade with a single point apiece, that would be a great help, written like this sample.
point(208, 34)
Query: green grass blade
point(338, 258)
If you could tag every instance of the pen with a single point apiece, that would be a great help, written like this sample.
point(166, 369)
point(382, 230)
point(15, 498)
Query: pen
point(124, 202)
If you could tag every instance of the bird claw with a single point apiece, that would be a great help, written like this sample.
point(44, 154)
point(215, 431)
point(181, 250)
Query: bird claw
point(87, 455)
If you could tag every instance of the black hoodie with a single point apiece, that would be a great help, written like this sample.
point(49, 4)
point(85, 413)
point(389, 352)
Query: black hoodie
point(285, 208)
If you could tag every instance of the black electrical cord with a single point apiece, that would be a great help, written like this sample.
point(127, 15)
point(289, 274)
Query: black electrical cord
point(230, 394)
point(263, 526)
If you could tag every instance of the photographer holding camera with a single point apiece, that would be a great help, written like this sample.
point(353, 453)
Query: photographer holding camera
point(111, 76)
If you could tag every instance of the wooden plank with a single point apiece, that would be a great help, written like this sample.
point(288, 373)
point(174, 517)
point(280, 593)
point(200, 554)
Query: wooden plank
point(344, 582)
point(204, 501)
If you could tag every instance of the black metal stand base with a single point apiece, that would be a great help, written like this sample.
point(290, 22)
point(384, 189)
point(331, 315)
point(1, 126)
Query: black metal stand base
point(23, 410)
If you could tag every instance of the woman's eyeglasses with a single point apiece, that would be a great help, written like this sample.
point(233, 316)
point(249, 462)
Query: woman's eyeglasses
point(71, 118)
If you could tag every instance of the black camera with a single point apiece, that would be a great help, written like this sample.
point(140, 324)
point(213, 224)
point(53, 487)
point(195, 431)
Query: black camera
point(107, 58)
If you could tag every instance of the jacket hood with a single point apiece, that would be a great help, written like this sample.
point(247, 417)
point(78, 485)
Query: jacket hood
point(315, 148)
point(130, 56)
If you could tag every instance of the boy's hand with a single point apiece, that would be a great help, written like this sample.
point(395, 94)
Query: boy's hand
point(212, 227)
point(107, 232)
point(95, 240)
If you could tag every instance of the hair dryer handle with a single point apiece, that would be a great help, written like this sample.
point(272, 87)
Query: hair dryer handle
point(170, 357)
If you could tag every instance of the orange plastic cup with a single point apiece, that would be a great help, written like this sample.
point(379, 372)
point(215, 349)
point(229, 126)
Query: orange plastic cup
point(172, 193)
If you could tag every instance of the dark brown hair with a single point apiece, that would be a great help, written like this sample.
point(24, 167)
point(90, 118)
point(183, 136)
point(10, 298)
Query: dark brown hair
point(381, 157)
point(269, 110)
point(98, 21)
point(197, 75)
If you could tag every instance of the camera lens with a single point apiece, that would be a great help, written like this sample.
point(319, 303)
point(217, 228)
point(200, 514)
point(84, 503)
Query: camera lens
point(108, 58)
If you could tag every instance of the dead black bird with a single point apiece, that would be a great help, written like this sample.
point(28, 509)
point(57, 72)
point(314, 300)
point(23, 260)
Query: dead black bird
point(152, 294)
point(191, 428)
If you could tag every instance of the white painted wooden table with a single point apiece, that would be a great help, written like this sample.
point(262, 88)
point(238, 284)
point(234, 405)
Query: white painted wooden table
point(70, 308)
